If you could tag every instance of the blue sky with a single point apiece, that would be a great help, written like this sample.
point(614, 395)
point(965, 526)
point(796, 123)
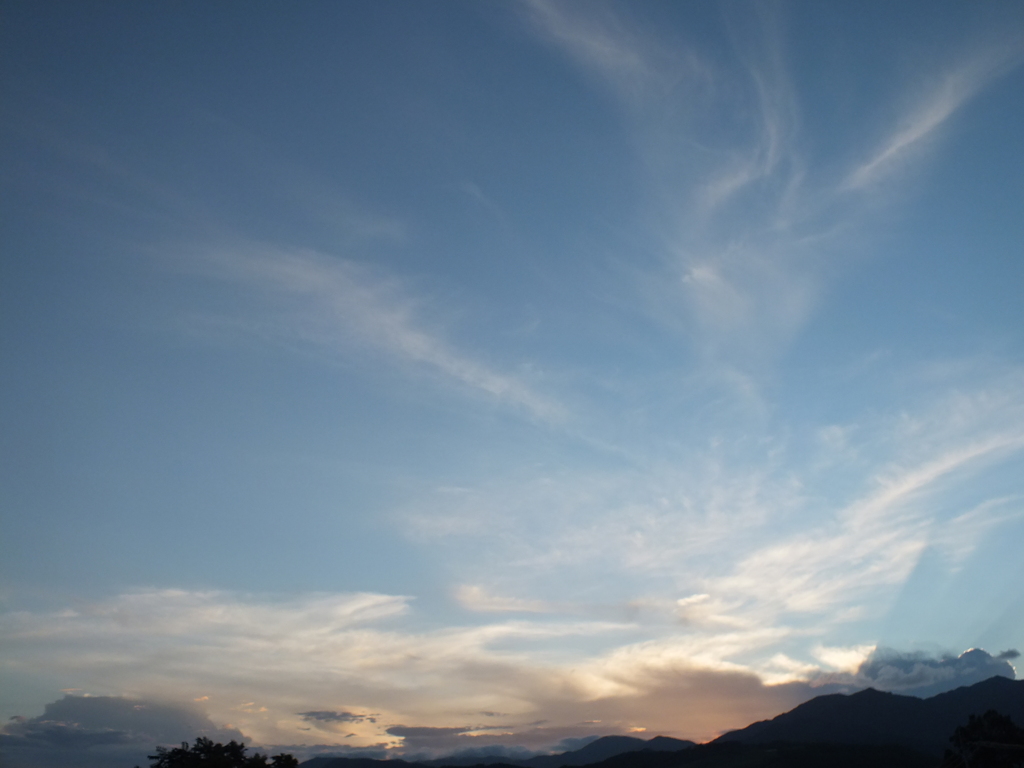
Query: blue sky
point(584, 367)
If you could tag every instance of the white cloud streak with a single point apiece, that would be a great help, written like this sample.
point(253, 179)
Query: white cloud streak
point(332, 304)
point(635, 65)
point(957, 87)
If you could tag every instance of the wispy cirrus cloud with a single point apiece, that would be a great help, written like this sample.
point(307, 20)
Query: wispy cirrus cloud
point(335, 305)
point(745, 228)
point(298, 295)
point(729, 269)
point(873, 543)
point(633, 63)
point(721, 542)
point(953, 90)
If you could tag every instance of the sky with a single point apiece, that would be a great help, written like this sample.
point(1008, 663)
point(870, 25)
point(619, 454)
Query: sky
point(402, 377)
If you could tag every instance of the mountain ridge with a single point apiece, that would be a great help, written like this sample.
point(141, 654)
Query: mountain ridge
point(882, 728)
point(876, 717)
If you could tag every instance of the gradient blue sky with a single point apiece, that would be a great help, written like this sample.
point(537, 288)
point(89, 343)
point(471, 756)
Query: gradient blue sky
point(581, 367)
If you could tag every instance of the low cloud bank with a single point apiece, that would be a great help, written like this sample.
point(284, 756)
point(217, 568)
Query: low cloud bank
point(918, 674)
point(110, 731)
point(318, 673)
point(86, 731)
point(323, 716)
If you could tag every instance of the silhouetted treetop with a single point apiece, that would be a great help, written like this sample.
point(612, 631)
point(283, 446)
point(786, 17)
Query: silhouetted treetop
point(989, 741)
point(206, 754)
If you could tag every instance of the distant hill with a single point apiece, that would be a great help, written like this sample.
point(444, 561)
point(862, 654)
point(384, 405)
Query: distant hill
point(594, 752)
point(604, 748)
point(873, 717)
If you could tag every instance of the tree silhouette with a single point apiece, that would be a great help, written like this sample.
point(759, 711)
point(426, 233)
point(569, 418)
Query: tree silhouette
point(206, 754)
point(989, 741)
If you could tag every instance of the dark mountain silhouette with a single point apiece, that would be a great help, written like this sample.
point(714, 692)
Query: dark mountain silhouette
point(604, 748)
point(873, 717)
point(667, 744)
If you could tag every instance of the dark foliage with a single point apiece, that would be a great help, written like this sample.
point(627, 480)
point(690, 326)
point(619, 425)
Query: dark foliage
point(206, 754)
point(989, 741)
